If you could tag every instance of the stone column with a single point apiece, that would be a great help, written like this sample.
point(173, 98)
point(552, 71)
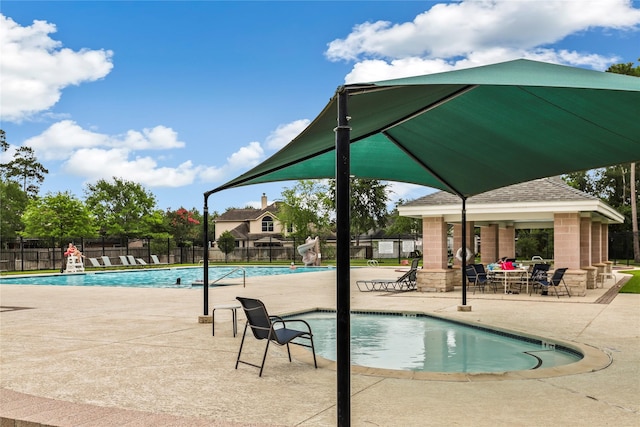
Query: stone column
point(604, 245)
point(566, 253)
point(489, 251)
point(585, 242)
point(434, 275)
point(507, 242)
point(596, 243)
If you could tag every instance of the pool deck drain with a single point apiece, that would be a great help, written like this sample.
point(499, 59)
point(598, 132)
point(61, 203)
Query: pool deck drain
point(134, 356)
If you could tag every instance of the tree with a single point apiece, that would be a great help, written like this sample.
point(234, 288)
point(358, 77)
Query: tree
point(368, 205)
point(305, 209)
point(26, 169)
point(4, 145)
point(13, 202)
point(630, 70)
point(398, 225)
point(57, 215)
point(226, 243)
point(120, 207)
point(183, 224)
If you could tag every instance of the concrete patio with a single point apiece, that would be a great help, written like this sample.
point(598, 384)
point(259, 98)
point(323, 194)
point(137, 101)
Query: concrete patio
point(98, 356)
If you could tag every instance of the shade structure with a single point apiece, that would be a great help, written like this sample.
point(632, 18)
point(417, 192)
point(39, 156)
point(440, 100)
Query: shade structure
point(472, 130)
point(466, 132)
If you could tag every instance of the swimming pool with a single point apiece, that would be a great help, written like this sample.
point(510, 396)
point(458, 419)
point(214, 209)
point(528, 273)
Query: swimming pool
point(419, 342)
point(152, 277)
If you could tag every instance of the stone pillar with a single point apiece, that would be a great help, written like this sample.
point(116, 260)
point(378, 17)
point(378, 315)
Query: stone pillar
point(585, 242)
point(507, 242)
point(457, 240)
point(566, 251)
point(596, 243)
point(434, 275)
point(604, 246)
point(566, 240)
point(434, 242)
point(489, 251)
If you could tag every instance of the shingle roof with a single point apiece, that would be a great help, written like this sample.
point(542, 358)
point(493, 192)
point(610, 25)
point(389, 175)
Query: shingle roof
point(248, 214)
point(539, 190)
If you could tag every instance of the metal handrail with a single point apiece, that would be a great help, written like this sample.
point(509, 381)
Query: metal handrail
point(244, 276)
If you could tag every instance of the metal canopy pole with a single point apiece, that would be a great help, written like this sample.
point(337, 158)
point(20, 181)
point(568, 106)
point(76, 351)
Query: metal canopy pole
point(205, 284)
point(343, 278)
point(464, 250)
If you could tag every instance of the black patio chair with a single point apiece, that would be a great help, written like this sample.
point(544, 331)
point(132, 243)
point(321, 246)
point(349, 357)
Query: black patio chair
point(477, 276)
point(264, 327)
point(538, 272)
point(554, 282)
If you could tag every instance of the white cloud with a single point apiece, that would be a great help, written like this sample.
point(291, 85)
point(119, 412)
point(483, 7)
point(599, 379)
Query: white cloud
point(285, 133)
point(470, 33)
point(35, 68)
point(246, 157)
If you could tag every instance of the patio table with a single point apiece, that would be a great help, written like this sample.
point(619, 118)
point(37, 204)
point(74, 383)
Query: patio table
point(510, 276)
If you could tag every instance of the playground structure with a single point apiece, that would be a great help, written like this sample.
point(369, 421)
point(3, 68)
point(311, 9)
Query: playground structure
point(310, 251)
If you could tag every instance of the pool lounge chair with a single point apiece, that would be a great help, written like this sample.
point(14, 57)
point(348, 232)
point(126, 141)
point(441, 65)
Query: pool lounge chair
point(132, 260)
point(95, 263)
point(124, 261)
point(156, 261)
point(406, 282)
point(272, 328)
point(106, 261)
point(141, 261)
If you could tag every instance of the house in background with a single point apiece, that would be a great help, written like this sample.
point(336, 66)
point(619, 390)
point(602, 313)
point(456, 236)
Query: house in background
point(252, 227)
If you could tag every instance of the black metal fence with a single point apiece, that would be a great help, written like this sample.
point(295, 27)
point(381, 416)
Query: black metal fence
point(621, 247)
point(48, 254)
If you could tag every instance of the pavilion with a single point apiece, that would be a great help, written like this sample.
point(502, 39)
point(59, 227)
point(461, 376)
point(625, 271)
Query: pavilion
point(580, 223)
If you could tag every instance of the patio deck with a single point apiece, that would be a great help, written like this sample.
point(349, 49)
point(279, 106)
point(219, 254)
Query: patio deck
point(97, 356)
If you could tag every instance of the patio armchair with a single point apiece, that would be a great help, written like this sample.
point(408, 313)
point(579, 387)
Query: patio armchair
point(554, 282)
point(272, 329)
point(477, 276)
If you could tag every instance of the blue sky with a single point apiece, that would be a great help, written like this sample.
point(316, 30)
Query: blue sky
point(184, 96)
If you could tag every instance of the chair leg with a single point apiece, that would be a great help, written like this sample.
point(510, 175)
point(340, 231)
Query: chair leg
point(264, 357)
point(289, 352)
point(566, 288)
point(242, 343)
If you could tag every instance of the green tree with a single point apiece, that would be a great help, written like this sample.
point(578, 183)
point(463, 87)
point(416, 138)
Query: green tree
point(4, 145)
point(368, 205)
point(121, 207)
point(226, 243)
point(13, 202)
point(397, 225)
point(57, 215)
point(26, 170)
point(305, 209)
point(184, 225)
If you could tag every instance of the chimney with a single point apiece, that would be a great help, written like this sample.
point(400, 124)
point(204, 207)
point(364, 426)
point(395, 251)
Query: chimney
point(264, 200)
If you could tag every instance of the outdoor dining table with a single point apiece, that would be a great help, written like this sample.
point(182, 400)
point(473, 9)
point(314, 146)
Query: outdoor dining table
point(510, 276)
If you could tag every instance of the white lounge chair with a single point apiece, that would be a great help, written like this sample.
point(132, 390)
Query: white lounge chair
point(106, 261)
point(95, 263)
point(123, 261)
point(155, 260)
point(132, 260)
point(141, 261)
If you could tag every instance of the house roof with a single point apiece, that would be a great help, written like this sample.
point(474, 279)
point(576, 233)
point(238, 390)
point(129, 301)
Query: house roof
point(248, 214)
point(529, 204)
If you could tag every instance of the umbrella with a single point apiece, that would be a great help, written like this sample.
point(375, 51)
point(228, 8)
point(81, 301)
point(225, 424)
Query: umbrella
point(465, 132)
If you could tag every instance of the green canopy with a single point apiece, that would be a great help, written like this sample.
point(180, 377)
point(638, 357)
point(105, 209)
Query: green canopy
point(472, 130)
point(466, 132)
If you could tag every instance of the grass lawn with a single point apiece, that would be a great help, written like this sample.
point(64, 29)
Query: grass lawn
point(633, 285)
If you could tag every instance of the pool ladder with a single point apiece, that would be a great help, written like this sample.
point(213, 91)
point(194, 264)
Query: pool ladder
point(244, 276)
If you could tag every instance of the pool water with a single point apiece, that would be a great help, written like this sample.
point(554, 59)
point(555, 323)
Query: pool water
point(424, 343)
point(151, 278)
